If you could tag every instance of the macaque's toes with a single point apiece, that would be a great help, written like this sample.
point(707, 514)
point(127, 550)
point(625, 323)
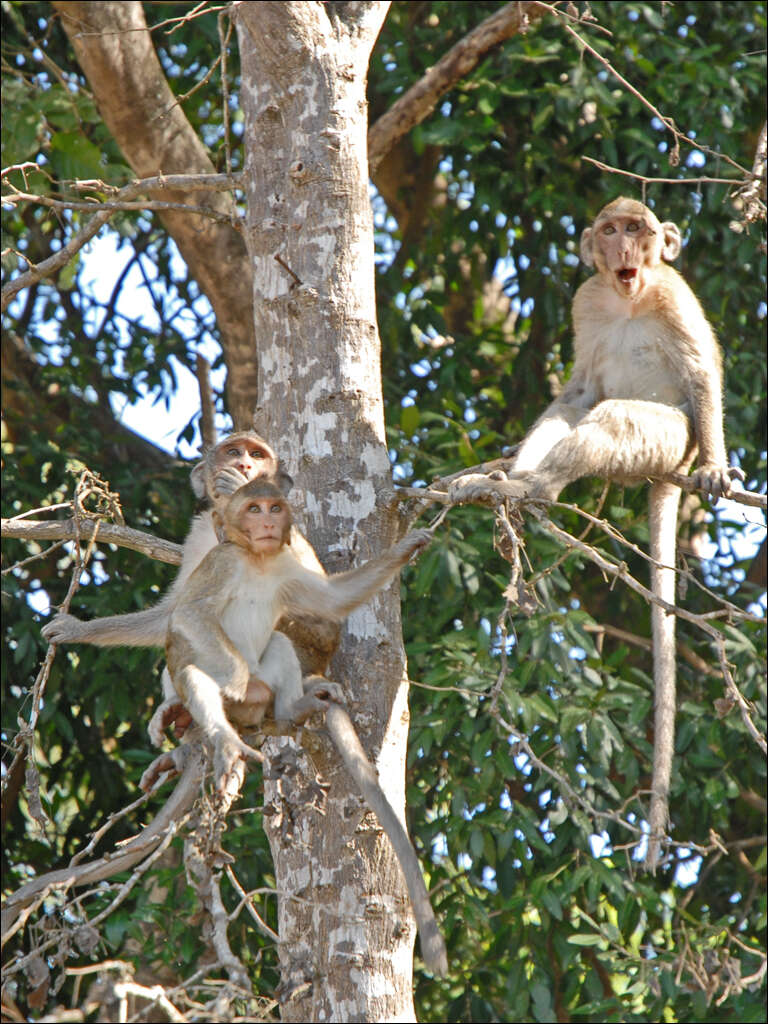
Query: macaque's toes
point(477, 489)
point(162, 764)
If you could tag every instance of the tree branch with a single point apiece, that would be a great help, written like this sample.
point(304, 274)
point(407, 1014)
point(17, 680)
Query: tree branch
point(105, 211)
point(685, 483)
point(108, 533)
point(140, 846)
point(420, 100)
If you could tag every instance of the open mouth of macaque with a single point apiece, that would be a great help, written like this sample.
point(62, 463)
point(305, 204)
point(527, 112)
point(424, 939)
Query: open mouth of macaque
point(627, 275)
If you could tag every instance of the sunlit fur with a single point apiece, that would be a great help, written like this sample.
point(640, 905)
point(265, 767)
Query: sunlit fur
point(645, 392)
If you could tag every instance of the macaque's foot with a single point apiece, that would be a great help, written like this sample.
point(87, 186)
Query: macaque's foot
point(716, 480)
point(229, 751)
point(228, 480)
point(62, 629)
point(319, 693)
point(170, 712)
point(325, 689)
point(489, 490)
point(172, 762)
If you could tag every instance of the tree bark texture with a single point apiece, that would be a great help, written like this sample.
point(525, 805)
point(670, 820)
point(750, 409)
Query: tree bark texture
point(115, 50)
point(346, 930)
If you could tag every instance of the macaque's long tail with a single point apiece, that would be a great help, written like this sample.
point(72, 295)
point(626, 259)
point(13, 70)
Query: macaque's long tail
point(345, 738)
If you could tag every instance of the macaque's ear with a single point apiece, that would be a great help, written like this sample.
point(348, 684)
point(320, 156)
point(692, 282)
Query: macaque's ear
point(586, 250)
point(197, 478)
point(284, 480)
point(218, 526)
point(673, 243)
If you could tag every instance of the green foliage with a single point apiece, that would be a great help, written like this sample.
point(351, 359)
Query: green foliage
point(524, 749)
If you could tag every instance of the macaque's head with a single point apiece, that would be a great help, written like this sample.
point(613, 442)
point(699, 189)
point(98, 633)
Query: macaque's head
point(626, 243)
point(258, 517)
point(244, 451)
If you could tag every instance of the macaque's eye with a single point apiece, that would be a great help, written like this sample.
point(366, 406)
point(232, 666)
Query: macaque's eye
point(276, 509)
point(634, 226)
point(233, 451)
point(257, 453)
point(254, 508)
point(609, 229)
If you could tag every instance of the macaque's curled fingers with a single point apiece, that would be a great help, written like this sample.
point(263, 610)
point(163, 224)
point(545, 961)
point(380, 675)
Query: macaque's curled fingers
point(172, 762)
point(170, 712)
point(325, 690)
point(230, 750)
point(227, 480)
point(476, 488)
point(414, 543)
point(716, 480)
point(62, 629)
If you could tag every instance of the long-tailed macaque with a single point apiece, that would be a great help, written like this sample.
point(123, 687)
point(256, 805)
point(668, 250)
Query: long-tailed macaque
point(222, 649)
point(241, 456)
point(645, 393)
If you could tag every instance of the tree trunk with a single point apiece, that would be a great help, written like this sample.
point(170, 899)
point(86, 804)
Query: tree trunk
point(346, 930)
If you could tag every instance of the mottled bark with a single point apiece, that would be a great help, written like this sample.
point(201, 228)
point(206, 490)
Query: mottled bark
point(115, 50)
point(346, 939)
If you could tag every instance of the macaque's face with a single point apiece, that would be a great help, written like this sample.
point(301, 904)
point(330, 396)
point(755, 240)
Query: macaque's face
point(266, 522)
point(625, 245)
point(247, 456)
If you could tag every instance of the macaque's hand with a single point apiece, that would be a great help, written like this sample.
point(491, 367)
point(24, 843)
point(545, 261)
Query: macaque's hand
point(170, 712)
point(716, 479)
point(227, 480)
point(413, 543)
point(62, 629)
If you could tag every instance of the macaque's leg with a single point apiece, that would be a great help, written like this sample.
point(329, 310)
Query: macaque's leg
point(295, 700)
point(204, 700)
point(555, 425)
point(618, 440)
point(279, 668)
point(549, 430)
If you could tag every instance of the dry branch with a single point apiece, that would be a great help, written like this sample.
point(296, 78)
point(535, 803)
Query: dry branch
point(111, 864)
point(685, 483)
point(157, 183)
point(109, 533)
point(420, 100)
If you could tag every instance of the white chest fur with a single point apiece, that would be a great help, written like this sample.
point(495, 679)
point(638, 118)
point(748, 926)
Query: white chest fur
point(253, 612)
point(631, 360)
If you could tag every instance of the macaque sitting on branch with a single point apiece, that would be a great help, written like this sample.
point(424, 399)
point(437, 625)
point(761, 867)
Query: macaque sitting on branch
point(645, 393)
point(224, 467)
point(228, 664)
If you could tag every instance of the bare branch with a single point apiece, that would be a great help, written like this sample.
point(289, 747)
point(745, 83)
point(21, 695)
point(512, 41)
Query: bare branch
point(685, 483)
point(123, 536)
point(157, 183)
point(112, 863)
point(651, 180)
point(420, 100)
